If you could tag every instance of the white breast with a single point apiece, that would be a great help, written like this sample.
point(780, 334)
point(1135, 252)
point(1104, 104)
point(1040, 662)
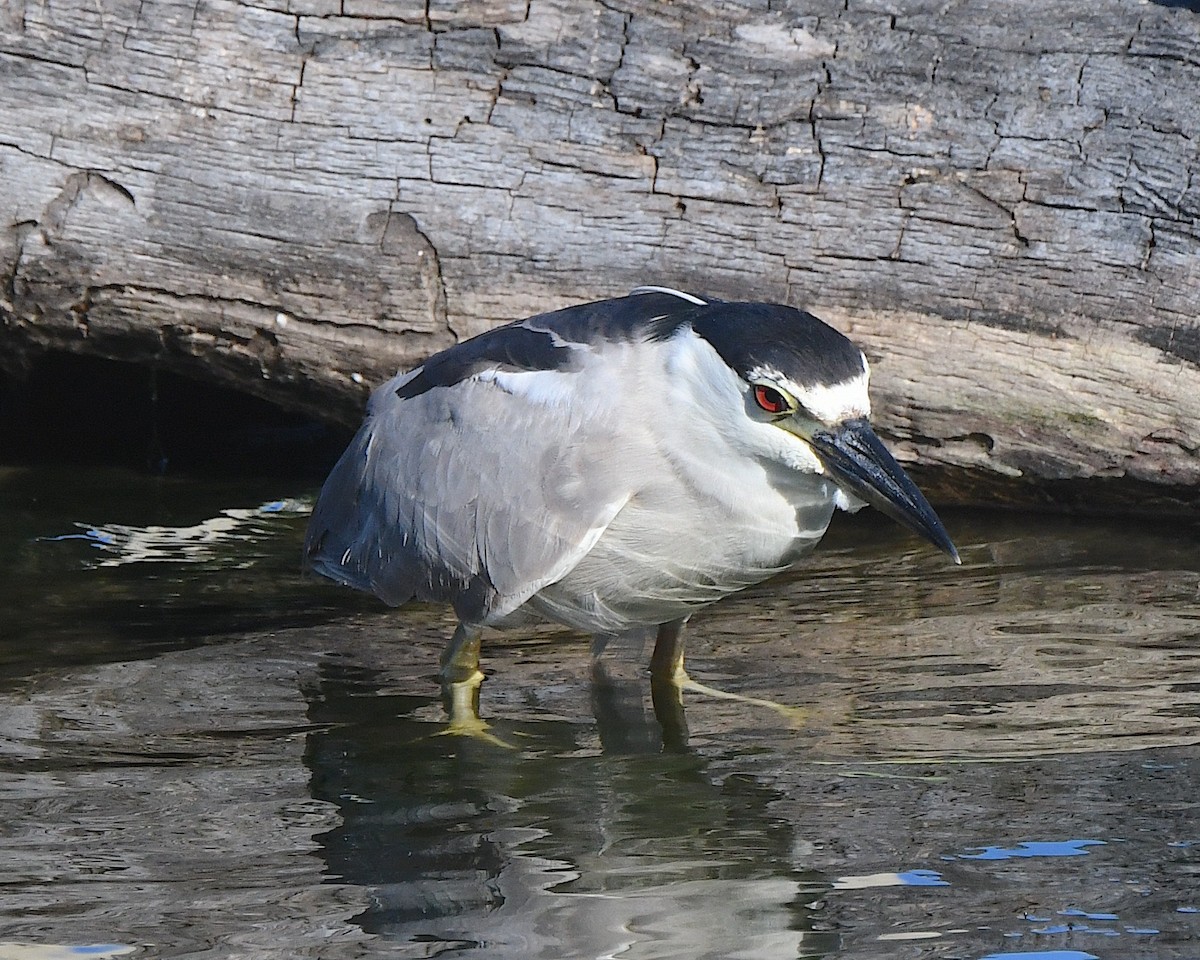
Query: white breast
point(712, 510)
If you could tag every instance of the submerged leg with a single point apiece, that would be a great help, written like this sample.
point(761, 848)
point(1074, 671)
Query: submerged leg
point(460, 659)
point(621, 720)
point(667, 680)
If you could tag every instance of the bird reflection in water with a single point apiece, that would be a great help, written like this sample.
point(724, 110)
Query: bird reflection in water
point(561, 848)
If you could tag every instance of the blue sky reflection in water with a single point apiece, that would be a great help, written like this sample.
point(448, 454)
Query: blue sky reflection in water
point(1035, 848)
point(201, 753)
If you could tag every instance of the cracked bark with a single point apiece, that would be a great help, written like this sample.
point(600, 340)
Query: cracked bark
point(998, 201)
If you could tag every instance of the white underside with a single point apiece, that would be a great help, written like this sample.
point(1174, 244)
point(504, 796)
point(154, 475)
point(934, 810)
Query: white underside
point(712, 508)
point(641, 571)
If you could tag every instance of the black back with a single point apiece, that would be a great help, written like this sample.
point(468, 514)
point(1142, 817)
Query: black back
point(746, 335)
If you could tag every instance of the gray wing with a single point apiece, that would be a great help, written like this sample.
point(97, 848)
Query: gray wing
point(491, 470)
point(468, 493)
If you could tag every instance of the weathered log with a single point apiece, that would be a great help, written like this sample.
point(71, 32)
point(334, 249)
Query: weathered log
point(997, 199)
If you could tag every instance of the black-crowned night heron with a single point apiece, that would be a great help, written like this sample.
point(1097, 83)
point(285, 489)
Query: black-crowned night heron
point(609, 466)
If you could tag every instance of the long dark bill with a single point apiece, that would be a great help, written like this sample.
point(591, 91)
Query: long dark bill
point(858, 461)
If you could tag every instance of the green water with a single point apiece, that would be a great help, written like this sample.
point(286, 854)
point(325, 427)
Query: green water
point(203, 754)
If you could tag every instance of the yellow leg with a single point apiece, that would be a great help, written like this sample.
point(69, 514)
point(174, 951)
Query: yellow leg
point(666, 663)
point(461, 679)
point(461, 702)
point(669, 680)
point(460, 659)
point(667, 696)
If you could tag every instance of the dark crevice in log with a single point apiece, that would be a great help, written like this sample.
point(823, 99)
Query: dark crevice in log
point(67, 408)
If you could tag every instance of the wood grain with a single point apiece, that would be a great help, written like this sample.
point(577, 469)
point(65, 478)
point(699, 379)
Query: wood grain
point(997, 199)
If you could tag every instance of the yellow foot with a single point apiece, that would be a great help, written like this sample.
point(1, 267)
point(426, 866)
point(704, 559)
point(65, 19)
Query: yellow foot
point(796, 717)
point(461, 700)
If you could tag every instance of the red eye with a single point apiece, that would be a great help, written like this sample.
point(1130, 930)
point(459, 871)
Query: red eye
point(770, 400)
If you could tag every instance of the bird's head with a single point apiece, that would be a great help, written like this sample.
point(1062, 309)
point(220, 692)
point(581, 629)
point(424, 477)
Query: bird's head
point(806, 380)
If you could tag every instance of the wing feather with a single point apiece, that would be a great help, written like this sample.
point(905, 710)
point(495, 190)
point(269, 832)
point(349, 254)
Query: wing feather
point(491, 471)
point(470, 494)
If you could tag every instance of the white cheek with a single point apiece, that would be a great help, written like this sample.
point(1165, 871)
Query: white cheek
point(847, 501)
point(796, 454)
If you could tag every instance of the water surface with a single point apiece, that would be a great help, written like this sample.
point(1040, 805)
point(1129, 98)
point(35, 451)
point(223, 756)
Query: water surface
point(203, 754)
